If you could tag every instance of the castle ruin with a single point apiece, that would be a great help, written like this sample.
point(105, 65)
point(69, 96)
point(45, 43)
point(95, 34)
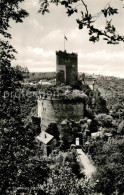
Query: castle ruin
point(56, 109)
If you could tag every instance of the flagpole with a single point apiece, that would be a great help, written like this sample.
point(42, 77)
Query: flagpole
point(64, 42)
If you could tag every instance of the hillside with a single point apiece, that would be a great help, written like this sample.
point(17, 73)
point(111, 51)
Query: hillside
point(111, 88)
point(37, 76)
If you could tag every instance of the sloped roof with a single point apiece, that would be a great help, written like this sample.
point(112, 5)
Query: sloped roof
point(64, 122)
point(90, 80)
point(45, 137)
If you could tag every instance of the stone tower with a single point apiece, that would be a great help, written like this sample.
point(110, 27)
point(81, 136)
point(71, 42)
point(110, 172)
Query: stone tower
point(56, 108)
point(52, 109)
point(66, 68)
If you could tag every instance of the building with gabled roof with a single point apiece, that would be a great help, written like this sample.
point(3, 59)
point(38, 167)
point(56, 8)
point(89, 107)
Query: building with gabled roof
point(46, 143)
point(44, 137)
point(90, 81)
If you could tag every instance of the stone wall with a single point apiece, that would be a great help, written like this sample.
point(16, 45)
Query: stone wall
point(68, 63)
point(58, 110)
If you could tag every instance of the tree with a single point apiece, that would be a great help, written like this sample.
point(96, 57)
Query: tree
point(22, 70)
point(108, 157)
point(10, 77)
point(104, 120)
point(121, 128)
point(53, 130)
point(72, 159)
point(109, 33)
point(17, 144)
point(63, 180)
point(10, 10)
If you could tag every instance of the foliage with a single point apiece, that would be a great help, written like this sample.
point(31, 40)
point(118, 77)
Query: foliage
point(17, 143)
point(53, 130)
point(88, 20)
point(112, 90)
point(37, 76)
point(95, 104)
point(72, 159)
point(28, 100)
point(93, 126)
point(65, 93)
point(68, 131)
point(104, 120)
point(10, 10)
point(121, 128)
point(40, 172)
point(62, 180)
point(108, 157)
point(100, 106)
point(23, 70)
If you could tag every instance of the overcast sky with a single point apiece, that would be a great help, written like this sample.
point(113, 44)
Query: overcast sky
point(39, 37)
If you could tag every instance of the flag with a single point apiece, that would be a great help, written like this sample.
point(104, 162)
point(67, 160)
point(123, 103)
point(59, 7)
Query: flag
point(65, 38)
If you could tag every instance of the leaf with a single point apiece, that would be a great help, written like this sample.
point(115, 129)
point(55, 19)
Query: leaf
point(64, 3)
point(70, 12)
point(105, 39)
point(93, 39)
point(80, 26)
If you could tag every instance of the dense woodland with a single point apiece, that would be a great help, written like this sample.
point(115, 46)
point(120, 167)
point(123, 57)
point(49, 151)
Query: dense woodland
point(106, 154)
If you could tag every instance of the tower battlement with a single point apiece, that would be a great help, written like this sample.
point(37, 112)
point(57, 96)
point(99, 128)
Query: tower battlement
point(63, 53)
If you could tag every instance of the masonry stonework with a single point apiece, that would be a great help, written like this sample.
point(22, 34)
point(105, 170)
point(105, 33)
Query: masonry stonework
point(66, 68)
point(57, 110)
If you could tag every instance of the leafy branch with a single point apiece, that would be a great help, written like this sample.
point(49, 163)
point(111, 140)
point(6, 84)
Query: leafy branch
point(87, 20)
point(10, 11)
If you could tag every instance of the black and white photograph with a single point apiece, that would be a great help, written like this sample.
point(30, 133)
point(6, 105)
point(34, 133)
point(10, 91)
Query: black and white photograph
point(61, 97)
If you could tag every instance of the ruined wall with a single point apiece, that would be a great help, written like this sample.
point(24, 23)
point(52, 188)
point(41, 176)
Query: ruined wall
point(68, 63)
point(57, 110)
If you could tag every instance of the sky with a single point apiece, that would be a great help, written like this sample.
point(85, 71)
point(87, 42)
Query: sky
point(39, 37)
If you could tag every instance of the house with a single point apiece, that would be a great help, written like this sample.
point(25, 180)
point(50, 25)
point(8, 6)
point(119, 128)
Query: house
point(46, 143)
point(90, 81)
point(42, 82)
point(97, 134)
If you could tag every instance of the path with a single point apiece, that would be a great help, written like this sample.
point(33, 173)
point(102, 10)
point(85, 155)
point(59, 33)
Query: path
point(89, 168)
